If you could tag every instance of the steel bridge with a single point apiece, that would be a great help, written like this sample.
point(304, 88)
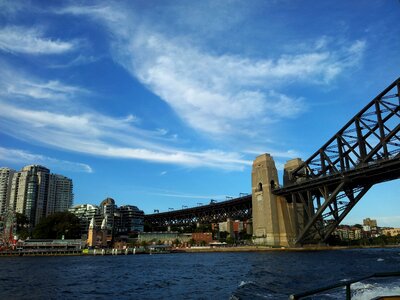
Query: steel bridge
point(237, 209)
point(366, 151)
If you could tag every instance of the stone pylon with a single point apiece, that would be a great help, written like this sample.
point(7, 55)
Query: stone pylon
point(275, 220)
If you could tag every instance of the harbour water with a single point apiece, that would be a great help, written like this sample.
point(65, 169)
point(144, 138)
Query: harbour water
point(245, 275)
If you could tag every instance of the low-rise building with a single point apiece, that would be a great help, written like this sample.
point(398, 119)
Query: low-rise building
point(391, 231)
point(205, 237)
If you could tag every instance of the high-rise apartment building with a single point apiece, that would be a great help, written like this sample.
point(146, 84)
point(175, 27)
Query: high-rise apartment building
point(36, 193)
point(60, 195)
point(29, 192)
point(6, 175)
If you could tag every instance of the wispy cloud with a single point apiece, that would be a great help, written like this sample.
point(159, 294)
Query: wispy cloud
point(19, 156)
point(16, 84)
point(77, 61)
point(218, 94)
point(225, 96)
point(100, 135)
point(17, 39)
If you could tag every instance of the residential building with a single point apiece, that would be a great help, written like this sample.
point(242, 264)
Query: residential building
point(36, 193)
point(107, 210)
point(202, 237)
point(118, 221)
point(85, 213)
point(370, 222)
point(391, 231)
point(6, 175)
point(60, 194)
point(29, 192)
point(129, 219)
point(345, 232)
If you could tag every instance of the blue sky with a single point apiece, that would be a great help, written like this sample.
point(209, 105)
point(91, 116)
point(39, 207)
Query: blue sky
point(164, 104)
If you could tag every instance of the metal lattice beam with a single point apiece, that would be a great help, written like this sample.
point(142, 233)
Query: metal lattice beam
point(366, 151)
point(237, 209)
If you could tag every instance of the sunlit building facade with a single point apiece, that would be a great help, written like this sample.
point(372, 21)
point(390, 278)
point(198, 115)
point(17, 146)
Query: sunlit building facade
point(6, 175)
point(37, 193)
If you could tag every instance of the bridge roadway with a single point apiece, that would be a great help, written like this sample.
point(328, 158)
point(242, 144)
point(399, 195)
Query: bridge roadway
point(241, 208)
point(236, 209)
point(373, 172)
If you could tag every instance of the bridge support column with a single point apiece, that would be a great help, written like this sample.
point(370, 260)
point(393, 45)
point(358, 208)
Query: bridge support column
point(274, 219)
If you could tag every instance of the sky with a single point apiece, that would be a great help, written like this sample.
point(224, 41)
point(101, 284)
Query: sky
point(165, 104)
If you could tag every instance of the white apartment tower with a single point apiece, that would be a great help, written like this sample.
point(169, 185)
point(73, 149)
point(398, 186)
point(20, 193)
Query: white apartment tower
point(60, 196)
point(29, 192)
point(36, 193)
point(6, 175)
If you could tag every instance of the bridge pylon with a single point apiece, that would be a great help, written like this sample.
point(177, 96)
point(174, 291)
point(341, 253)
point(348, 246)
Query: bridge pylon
point(276, 221)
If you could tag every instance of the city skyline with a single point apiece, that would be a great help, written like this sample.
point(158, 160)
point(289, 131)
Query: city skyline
point(166, 104)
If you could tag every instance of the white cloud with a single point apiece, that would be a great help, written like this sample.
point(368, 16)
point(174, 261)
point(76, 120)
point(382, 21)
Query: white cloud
point(100, 135)
point(222, 95)
point(15, 84)
point(78, 61)
point(17, 39)
point(9, 155)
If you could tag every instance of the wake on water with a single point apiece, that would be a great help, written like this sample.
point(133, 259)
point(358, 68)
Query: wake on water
point(364, 291)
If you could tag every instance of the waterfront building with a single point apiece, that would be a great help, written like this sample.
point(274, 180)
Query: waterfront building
point(119, 222)
point(6, 175)
point(236, 228)
point(36, 193)
point(49, 245)
point(164, 237)
point(85, 213)
point(391, 231)
point(345, 232)
point(370, 222)
point(97, 235)
point(29, 192)
point(129, 219)
point(202, 237)
point(107, 211)
point(61, 194)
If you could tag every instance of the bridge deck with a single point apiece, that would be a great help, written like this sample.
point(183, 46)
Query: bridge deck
point(238, 208)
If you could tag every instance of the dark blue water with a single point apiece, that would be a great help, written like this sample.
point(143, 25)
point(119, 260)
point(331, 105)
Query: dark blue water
point(266, 275)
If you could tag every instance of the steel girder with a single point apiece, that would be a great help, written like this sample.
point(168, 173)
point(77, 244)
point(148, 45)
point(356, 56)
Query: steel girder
point(236, 209)
point(364, 152)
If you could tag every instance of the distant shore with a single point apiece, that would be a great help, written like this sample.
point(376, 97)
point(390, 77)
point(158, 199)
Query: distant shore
point(267, 248)
point(205, 249)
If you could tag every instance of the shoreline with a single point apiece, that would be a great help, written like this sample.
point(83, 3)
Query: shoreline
point(198, 250)
point(268, 248)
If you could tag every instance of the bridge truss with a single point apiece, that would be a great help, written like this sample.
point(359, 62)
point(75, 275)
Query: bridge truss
point(366, 151)
point(236, 209)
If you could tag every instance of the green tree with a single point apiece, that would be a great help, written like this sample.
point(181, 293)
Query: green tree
point(57, 225)
point(230, 240)
point(22, 226)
